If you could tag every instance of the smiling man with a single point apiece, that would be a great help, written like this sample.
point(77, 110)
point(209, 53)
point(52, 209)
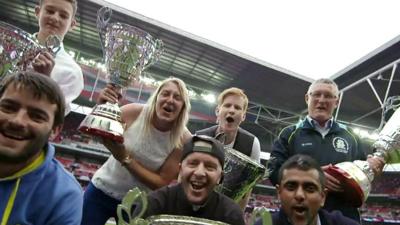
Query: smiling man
point(35, 188)
point(200, 171)
point(301, 190)
point(231, 112)
point(322, 138)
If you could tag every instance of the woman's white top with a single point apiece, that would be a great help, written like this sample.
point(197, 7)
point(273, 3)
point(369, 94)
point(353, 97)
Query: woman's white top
point(150, 150)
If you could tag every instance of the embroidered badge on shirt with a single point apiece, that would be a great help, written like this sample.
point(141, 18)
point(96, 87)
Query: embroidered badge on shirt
point(340, 145)
point(306, 144)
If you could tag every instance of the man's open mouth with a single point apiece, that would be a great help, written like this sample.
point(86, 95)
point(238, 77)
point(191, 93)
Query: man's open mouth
point(300, 210)
point(230, 119)
point(197, 185)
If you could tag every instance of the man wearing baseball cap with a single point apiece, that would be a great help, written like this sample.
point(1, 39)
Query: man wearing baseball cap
point(200, 172)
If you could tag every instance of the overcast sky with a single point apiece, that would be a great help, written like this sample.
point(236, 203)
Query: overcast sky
point(313, 38)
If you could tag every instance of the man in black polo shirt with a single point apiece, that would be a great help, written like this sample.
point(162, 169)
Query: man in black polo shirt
point(200, 171)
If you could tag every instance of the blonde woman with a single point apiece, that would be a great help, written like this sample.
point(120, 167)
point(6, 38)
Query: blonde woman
point(150, 156)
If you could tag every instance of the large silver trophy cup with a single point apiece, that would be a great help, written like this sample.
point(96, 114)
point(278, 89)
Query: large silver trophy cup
point(134, 205)
point(127, 51)
point(357, 176)
point(18, 48)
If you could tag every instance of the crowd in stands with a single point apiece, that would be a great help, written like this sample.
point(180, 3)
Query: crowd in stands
point(388, 183)
point(382, 212)
point(83, 171)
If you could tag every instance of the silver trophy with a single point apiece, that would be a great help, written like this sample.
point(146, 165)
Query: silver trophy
point(357, 176)
point(137, 200)
point(134, 205)
point(241, 174)
point(18, 48)
point(127, 51)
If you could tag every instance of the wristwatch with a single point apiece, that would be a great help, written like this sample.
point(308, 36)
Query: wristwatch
point(127, 160)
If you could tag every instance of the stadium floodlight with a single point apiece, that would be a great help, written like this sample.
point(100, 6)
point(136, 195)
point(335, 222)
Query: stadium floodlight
point(209, 97)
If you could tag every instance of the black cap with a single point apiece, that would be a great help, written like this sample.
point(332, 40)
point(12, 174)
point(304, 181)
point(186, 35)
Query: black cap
point(216, 150)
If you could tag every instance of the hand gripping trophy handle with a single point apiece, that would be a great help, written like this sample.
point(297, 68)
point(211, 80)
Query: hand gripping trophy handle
point(357, 176)
point(127, 51)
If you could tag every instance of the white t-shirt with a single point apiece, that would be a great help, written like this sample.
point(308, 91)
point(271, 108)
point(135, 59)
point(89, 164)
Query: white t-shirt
point(68, 75)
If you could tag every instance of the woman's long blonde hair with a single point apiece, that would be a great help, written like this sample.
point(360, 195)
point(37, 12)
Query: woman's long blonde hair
point(180, 122)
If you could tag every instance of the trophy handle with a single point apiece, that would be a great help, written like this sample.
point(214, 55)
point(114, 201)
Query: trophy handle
point(103, 18)
point(53, 44)
point(262, 213)
point(124, 210)
point(388, 144)
point(159, 49)
point(391, 103)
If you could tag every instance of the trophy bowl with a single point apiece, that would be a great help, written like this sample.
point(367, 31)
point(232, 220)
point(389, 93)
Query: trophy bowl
point(181, 220)
point(18, 48)
point(241, 173)
point(127, 51)
point(356, 177)
point(134, 205)
point(354, 181)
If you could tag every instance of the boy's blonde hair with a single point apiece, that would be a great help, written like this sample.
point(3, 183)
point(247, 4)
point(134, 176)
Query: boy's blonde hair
point(74, 4)
point(233, 91)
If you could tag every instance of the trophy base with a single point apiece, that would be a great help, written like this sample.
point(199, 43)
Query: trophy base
point(101, 133)
point(352, 193)
point(99, 123)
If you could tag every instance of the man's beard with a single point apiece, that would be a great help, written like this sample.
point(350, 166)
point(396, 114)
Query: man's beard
point(32, 148)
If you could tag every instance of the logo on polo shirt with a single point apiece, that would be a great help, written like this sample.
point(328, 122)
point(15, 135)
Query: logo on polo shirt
point(306, 144)
point(340, 145)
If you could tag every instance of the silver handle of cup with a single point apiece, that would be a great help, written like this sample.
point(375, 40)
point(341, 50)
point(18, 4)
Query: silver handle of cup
point(159, 49)
point(388, 143)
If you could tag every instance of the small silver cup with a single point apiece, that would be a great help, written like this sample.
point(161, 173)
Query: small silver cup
point(18, 48)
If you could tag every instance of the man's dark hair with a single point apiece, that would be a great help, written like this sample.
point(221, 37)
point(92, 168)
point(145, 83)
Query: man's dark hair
point(304, 163)
point(40, 86)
